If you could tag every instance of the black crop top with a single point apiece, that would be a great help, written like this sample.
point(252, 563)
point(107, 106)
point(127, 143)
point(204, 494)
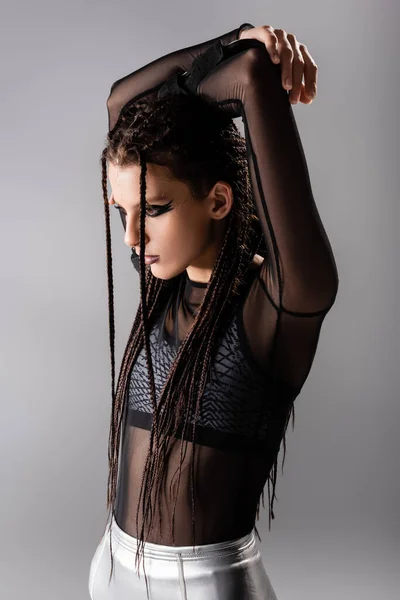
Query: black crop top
point(266, 353)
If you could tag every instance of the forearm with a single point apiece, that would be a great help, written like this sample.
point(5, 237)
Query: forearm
point(302, 267)
point(150, 77)
point(289, 217)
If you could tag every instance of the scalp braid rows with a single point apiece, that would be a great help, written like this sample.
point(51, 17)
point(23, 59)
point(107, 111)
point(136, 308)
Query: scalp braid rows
point(200, 145)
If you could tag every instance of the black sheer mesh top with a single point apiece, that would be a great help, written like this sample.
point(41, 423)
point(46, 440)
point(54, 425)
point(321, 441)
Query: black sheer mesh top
point(267, 350)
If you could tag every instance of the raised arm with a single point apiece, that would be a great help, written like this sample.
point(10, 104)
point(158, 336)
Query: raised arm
point(150, 77)
point(300, 275)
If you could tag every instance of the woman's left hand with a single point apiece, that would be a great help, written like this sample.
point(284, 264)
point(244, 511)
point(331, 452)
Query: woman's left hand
point(294, 58)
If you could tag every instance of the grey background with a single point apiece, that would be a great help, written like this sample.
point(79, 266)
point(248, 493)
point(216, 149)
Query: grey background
point(336, 532)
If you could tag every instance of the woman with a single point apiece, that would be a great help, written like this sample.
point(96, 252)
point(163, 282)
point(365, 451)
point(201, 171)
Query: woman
point(239, 278)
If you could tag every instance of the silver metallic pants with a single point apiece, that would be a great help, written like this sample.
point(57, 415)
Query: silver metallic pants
point(231, 570)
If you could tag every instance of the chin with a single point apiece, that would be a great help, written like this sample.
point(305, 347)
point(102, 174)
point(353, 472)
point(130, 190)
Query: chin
point(160, 273)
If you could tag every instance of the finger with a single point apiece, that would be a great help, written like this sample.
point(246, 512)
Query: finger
point(271, 43)
point(310, 72)
point(286, 54)
point(304, 99)
point(297, 69)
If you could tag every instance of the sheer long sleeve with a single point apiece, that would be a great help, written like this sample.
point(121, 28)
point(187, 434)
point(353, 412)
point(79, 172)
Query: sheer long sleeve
point(150, 77)
point(298, 281)
point(301, 274)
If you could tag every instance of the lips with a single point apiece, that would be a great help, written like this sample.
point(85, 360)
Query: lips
point(147, 255)
point(149, 260)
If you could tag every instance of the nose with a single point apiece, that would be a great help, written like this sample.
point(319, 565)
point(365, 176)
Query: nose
point(132, 232)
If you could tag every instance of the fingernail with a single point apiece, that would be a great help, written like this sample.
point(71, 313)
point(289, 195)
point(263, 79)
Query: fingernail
point(276, 57)
point(288, 84)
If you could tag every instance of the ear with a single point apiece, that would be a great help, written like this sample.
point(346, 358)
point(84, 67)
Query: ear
point(220, 199)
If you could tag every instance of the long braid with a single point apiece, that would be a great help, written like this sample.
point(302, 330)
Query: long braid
point(111, 326)
point(127, 361)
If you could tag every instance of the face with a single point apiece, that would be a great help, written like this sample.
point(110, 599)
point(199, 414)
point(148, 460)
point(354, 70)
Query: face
point(183, 231)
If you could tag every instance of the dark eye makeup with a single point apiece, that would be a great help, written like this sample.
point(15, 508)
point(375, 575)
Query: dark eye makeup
point(152, 210)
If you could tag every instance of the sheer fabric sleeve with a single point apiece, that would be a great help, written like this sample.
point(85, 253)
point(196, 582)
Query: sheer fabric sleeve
point(297, 282)
point(150, 77)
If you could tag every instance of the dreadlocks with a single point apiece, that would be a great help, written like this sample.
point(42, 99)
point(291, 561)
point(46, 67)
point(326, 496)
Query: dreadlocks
point(200, 145)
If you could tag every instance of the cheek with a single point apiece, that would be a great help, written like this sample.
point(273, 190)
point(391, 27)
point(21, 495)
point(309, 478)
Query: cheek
point(186, 230)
